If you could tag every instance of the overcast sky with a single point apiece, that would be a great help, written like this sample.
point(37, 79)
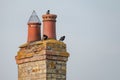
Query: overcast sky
point(91, 27)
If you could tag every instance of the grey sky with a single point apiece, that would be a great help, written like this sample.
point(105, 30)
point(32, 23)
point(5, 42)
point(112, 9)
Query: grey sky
point(92, 29)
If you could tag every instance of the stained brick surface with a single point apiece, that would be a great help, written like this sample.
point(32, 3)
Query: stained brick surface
point(42, 60)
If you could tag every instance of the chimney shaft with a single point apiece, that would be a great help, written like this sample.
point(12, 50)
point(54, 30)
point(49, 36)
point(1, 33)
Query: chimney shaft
point(33, 32)
point(49, 25)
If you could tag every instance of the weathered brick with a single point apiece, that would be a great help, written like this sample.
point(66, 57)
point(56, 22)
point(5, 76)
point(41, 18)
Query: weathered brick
point(37, 62)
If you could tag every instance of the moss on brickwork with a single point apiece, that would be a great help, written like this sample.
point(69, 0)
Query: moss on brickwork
point(42, 60)
point(30, 49)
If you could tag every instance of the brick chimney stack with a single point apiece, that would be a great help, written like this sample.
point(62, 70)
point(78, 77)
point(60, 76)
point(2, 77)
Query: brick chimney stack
point(34, 32)
point(49, 25)
point(44, 59)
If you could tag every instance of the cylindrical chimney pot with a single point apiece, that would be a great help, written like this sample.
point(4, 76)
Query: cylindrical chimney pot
point(34, 29)
point(49, 25)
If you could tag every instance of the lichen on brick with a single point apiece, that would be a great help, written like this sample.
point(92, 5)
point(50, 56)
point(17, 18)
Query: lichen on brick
point(42, 60)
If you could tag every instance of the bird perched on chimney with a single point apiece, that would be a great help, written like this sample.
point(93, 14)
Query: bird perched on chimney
point(62, 38)
point(45, 37)
point(48, 12)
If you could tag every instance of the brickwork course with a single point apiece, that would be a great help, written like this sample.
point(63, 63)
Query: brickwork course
point(43, 59)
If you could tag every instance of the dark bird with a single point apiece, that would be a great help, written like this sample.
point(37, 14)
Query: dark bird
point(48, 12)
point(62, 38)
point(45, 37)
